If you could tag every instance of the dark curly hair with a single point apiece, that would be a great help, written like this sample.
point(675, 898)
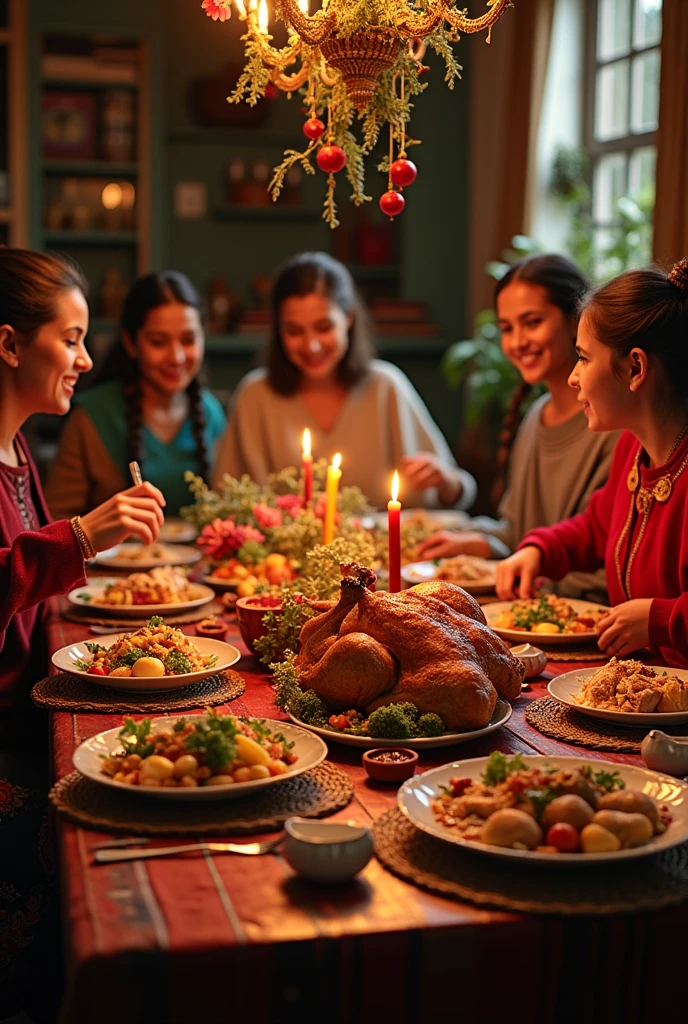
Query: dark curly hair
point(146, 294)
point(304, 274)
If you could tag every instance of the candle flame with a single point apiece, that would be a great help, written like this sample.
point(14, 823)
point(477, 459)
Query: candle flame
point(241, 8)
point(303, 6)
point(336, 460)
point(263, 15)
point(306, 442)
point(395, 486)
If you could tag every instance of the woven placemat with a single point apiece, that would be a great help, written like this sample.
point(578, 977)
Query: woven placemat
point(66, 692)
point(621, 887)
point(74, 614)
point(320, 791)
point(588, 653)
point(560, 722)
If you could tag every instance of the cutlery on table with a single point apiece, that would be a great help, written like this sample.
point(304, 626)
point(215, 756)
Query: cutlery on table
point(109, 856)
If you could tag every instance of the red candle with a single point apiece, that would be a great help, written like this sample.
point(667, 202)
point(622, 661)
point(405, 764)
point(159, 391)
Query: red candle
point(307, 465)
point(394, 531)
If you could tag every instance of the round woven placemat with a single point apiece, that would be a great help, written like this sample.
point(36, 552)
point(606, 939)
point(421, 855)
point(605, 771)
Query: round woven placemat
point(320, 791)
point(621, 887)
point(560, 722)
point(587, 653)
point(66, 692)
point(74, 614)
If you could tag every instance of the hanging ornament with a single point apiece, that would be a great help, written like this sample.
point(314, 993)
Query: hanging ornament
point(392, 203)
point(403, 172)
point(313, 128)
point(331, 158)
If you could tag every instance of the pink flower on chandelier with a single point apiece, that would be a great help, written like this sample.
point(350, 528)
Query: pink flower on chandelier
point(218, 10)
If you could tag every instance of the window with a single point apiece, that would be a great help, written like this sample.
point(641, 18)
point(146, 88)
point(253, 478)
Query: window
point(619, 127)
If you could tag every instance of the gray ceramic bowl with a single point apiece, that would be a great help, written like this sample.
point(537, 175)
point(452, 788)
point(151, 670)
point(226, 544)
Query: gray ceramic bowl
point(327, 851)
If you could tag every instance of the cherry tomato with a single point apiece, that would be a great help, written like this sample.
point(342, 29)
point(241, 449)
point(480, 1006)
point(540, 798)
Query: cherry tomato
point(98, 670)
point(339, 721)
point(562, 836)
point(459, 786)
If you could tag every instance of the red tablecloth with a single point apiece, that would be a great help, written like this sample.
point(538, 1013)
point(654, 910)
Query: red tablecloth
point(206, 939)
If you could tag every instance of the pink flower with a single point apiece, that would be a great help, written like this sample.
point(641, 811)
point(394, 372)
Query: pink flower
point(223, 537)
point(266, 516)
point(319, 508)
point(218, 10)
point(290, 503)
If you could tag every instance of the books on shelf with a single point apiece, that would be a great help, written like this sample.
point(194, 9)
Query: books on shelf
point(76, 68)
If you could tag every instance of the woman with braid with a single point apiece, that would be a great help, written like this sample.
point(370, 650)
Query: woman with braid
point(150, 407)
point(552, 462)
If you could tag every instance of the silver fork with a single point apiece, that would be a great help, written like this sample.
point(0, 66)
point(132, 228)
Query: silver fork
point(248, 849)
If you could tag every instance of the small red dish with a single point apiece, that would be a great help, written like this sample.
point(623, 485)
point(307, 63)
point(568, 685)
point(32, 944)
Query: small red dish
point(213, 628)
point(250, 613)
point(390, 764)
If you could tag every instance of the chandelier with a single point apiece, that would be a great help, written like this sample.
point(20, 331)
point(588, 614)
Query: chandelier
point(357, 64)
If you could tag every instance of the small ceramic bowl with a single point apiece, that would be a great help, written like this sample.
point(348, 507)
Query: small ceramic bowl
point(327, 851)
point(250, 614)
point(664, 753)
point(532, 659)
point(390, 764)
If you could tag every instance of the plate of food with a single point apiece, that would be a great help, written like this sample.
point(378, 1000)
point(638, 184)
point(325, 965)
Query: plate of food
point(474, 575)
point(156, 592)
point(356, 738)
point(176, 531)
point(549, 619)
point(155, 657)
point(147, 556)
point(550, 810)
point(206, 756)
point(627, 692)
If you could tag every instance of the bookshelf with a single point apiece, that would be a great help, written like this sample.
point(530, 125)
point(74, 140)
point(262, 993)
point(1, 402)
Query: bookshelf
point(14, 197)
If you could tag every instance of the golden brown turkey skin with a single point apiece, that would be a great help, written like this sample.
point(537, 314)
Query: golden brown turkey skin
point(353, 672)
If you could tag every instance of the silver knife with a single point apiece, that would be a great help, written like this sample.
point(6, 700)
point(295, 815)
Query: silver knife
point(249, 849)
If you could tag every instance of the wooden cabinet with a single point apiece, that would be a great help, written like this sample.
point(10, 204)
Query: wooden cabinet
point(14, 217)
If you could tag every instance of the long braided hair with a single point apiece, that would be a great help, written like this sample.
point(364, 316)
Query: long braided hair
point(565, 285)
point(146, 294)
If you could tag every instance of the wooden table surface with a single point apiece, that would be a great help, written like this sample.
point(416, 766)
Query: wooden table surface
point(183, 939)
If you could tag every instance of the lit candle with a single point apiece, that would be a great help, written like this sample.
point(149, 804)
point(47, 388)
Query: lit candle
point(307, 464)
point(331, 487)
point(394, 531)
point(263, 16)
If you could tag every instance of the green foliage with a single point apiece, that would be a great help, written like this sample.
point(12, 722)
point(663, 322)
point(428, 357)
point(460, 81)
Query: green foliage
point(498, 767)
point(129, 659)
point(430, 725)
point(286, 680)
point(322, 577)
point(214, 738)
point(133, 737)
point(177, 664)
point(309, 708)
point(282, 628)
point(155, 620)
point(251, 553)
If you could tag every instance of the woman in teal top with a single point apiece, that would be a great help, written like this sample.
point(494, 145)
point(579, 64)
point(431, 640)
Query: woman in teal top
point(151, 406)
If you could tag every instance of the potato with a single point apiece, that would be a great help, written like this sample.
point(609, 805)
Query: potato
point(242, 774)
point(185, 765)
point(512, 828)
point(596, 839)
point(219, 780)
point(259, 771)
point(545, 627)
point(573, 810)
point(157, 767)
point(631, 802)
point(249, 751)
point(632, 829)
point(148, 667)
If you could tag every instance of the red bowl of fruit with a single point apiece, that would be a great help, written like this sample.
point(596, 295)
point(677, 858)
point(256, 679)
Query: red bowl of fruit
point(250, 614)
point(390, 764)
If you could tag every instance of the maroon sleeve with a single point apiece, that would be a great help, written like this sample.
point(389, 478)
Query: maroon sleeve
point(668, 623)
point(38, 565)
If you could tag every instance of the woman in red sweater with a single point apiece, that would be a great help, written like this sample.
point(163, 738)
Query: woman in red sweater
point(632, 374)
point(43, 324)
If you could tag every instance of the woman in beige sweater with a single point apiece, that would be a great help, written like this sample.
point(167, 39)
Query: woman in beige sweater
point(556, 463)
point(320, 374)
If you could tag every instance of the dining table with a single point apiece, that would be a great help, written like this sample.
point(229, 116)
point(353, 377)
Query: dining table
point(203, 938)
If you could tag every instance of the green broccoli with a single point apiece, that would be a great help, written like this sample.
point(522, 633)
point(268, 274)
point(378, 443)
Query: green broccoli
point(155, 620)
point(390, 723)
point(430, 725)
point(309, 708)
point(128, 659)
point(177, 664)
point(410, 710)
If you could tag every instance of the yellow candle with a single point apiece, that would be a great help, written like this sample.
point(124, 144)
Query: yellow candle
point(331, 487)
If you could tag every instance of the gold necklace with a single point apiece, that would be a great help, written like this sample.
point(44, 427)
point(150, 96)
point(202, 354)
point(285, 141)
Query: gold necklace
point(643, 502)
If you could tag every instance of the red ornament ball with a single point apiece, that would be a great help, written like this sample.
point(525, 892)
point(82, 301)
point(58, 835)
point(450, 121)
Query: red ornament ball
point(392, 203)
point(331, 159)
point(403, 172)
point(313, 128)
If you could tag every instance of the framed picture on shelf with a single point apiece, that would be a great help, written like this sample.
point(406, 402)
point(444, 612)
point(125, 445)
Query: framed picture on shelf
point(69, 125)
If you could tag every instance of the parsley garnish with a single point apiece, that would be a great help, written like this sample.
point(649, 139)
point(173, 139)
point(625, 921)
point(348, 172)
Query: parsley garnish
point(498, 767)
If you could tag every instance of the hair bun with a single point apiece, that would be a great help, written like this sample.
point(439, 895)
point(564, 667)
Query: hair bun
point(678, 275)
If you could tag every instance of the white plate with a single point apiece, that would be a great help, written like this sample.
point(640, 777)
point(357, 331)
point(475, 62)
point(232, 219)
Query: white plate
point(520, 636)
point(416, 795)
point(563, 687)
point(424, 572)
point(90, 597)
point(177, 531)
point(502, 714)
point(443, 519)
point(309, 749)
point(226, 657)
point(119, 557)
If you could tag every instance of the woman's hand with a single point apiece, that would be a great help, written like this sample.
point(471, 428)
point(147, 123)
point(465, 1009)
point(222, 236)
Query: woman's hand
point(137, 510)
point(524, 564)
point(625, 628)
point(446, 543)
point(425, 469)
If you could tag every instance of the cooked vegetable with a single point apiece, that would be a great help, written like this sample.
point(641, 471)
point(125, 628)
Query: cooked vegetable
point(571, 809)
point(596, 839)
point(177, 664)
point(498, 767)
point(430, 724)
point(390, 722)
point(309, 708)
point(512, 828)
point(148, 667)
point(563, 837)
point(631, 829)
point(632, 802)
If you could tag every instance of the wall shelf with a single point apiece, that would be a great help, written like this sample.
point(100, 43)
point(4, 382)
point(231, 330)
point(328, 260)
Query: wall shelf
point(96, 238)
point(91, 168)
point(234, 137)
point(271, 212)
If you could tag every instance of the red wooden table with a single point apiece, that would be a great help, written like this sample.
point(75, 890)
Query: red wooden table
point(203, 938)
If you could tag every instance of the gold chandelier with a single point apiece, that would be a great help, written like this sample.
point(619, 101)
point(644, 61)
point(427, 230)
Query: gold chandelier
point(353, 61)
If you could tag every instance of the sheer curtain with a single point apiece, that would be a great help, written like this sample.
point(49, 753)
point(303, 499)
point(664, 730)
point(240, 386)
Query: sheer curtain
point(671, 208)
point(507, 81)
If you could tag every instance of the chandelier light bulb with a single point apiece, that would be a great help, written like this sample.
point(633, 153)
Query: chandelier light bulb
point(263, 16)
point(304, 7)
